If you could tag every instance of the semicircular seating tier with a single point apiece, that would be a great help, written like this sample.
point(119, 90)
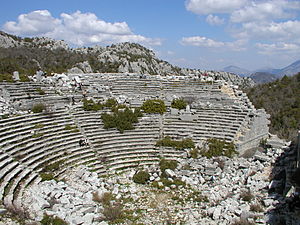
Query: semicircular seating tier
point(30, 142)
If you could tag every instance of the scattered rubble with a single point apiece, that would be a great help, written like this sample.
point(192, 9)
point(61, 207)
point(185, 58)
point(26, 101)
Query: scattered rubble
point(199, 191)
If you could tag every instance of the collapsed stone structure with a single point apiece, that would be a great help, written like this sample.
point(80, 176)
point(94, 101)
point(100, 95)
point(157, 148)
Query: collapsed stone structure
point(29, 141)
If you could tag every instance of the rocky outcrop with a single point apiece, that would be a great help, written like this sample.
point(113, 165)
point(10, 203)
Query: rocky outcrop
point(81, 68)
point(9, 41)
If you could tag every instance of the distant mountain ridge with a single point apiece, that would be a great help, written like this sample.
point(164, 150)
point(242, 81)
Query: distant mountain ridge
point(265, 75)
point(237, 70)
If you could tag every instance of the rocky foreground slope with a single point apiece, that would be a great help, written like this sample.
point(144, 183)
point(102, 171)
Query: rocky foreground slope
point(199, 191)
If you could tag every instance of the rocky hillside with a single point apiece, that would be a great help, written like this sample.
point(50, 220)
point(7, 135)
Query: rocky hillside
point(27, 55)
point(10, 41)
point(281, 99)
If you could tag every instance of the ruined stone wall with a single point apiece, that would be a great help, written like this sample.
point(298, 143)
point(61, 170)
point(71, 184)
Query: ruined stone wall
point(256, 130)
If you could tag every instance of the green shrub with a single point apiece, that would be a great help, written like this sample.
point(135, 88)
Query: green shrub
point(121, 119)
point(246, 196)
point(51, 220)
point(6, 77)
point(168, 142)
point(53, 167)
point(218, 147)
point(154, 106)
point(167, 164)
point(71, 128)
point(111, 102)
point(46, 176)
point(38, 126)
point(37, 108)
point(24, 78)
point(178, 103)
point(90, 105)
point(141, 177)
point(40, 91)
point(194, 153)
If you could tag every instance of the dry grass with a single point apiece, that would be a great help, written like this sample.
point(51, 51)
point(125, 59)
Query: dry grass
point(104, 199)
point(256, 208)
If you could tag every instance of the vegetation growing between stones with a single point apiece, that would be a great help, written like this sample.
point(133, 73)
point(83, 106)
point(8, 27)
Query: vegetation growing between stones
point(167, 164)
point(178, 103)
point(168, 142)
point(40, 91)
point(281, 99)
point(71, 128)
point(51, 220)
point(90, 105)
point(246, 196)
point(49, 170)
point(38, 108)
point(47, 176)
point(218, 147)
point(141, 177)
point(194, 153)
point(121, 119)
point(154, 106)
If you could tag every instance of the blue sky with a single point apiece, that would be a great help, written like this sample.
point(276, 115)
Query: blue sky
point(203, 34)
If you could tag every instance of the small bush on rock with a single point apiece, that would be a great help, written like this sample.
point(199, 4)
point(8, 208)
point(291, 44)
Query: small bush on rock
point(194, 153)
point(246, 196)
point(154, 106)
point(90, 105)
point(46, 176)
point(256, 208)
point(51, 220)
point(40, 91)
point(218, 147)
point(167, 164)
point(37, 108)
point(178, 103)
point(112, 213)
point(141, 177)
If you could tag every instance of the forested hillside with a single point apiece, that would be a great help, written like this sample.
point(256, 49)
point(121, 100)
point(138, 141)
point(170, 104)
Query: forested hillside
point(281, 99)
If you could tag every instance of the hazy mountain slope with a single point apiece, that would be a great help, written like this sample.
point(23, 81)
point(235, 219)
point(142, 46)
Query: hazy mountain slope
point(290, 69)
point(263, 77)
point(237, 70)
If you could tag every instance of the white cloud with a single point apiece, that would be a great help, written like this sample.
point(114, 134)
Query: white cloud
point(33, 23)
point(265, 10)
point(201, 42)
point(281, 47)
point(214, 20)
point(210, 43)
point(288, 30)
point(76, 28)
point(204, 7)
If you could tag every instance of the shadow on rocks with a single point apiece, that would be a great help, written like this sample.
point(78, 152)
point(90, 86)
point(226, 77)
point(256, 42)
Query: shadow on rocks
point(284, 203)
